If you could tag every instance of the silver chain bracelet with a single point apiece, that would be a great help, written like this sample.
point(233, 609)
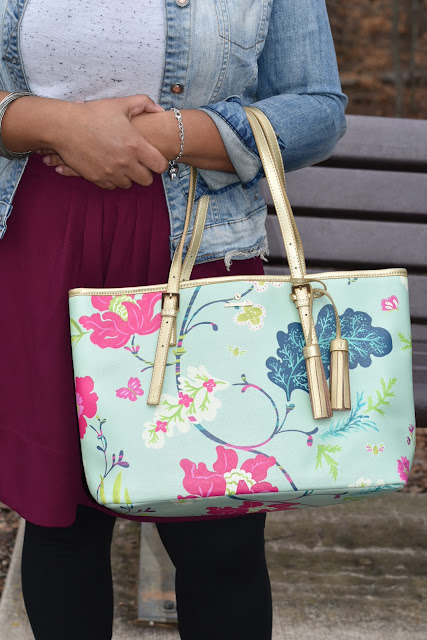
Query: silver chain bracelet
point(173, 165)
point(11, 155)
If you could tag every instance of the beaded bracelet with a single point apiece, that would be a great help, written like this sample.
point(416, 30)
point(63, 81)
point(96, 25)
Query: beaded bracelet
point(173, 166)
point(11, 155)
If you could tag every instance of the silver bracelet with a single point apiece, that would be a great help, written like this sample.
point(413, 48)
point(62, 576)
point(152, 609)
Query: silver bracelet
point(11, 155)
point(173, 166)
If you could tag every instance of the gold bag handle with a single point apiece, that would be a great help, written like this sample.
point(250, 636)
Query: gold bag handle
point(271, 159)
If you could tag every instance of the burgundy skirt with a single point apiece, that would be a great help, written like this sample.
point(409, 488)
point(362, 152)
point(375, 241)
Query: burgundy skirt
point(65, 233)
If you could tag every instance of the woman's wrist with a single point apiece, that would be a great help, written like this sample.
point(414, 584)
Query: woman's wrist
point(203, 146)
point(161, 130)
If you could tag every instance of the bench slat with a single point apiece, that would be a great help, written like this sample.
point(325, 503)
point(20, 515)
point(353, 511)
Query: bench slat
point(356, 192)
point(325, 241)
point(383, 143)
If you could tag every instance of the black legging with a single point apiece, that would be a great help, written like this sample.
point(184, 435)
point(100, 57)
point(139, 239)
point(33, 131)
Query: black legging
point(222, 583)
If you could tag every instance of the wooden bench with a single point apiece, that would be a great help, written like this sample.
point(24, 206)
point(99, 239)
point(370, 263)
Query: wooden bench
point(364, 207)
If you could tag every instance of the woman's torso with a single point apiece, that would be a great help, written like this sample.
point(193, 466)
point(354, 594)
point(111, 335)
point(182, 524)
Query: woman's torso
point(211, 53)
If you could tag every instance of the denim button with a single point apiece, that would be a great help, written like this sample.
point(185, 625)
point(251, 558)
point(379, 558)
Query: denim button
point(182, 3)
point(177, 88)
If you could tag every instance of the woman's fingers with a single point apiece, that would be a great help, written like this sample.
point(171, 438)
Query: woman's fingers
point(149, 156)
point(123, 182)
point(53, 160)
point(140, 173)
point(67, 171)
point(138, 104)
point(150, 159)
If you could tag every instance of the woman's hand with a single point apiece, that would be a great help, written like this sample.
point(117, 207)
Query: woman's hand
point(161, 132)
point(101, 145)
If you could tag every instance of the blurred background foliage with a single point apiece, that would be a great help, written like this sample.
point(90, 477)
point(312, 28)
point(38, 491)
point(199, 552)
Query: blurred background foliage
point(382, 55)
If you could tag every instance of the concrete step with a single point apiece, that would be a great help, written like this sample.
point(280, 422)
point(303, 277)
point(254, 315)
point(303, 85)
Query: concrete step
point(351, 572)
point(347, 572)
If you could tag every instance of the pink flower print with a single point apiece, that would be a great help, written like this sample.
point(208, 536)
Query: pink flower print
point(86, 402)
point(403, 468)
point(226, 479)
point(209, 385)
point(258, 468)
point(185, 400)
point(111, 329)
point(390, 304)
point(200, 481)
point(161, 426)
point(102, 303)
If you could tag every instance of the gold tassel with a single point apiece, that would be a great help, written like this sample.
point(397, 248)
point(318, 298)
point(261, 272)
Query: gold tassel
point(318, 388)
point(340, 375)
point(339, 379)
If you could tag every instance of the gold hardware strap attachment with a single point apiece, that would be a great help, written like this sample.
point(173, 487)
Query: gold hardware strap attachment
point(170, 305)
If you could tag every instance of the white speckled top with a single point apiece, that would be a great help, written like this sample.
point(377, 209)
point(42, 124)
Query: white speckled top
point(89, 49)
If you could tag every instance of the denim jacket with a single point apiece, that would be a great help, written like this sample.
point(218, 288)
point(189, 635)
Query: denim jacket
point(222, 55)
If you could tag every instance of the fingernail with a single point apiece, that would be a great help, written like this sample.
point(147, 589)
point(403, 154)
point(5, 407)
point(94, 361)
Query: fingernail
point(160, 106)
point(46, 160)
point(59, 170)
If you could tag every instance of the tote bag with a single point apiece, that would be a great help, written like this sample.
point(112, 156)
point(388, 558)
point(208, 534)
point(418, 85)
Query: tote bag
point(220, 397)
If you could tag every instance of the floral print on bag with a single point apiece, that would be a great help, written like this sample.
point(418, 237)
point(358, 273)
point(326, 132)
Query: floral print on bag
point(121, 318)
point(251, 316)
point(196, 401)
point(240, 401)
point(403, 468)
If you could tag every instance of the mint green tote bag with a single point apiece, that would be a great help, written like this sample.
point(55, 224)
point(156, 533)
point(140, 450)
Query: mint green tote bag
point(200, 399)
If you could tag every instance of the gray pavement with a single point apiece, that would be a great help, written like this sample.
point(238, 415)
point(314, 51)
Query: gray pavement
point(351, 572)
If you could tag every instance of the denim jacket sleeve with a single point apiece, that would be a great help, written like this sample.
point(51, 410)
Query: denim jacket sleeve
point(298, 89)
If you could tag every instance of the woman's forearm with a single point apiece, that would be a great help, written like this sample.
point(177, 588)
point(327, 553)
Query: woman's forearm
point(29, 122)
point(203, 146)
